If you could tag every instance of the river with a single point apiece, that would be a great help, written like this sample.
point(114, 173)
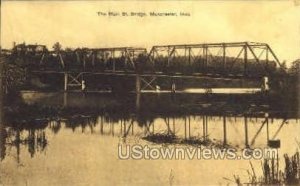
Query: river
point(79, 144)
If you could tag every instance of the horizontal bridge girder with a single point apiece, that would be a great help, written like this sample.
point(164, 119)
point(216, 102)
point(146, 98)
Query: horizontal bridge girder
point(157, 74)
point(117, 49)
point(202, 45)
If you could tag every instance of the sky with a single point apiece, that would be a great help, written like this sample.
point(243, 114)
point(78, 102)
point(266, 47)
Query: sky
point(77, 24)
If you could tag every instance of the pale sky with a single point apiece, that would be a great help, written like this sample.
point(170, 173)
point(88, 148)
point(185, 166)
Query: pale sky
point(76, 24)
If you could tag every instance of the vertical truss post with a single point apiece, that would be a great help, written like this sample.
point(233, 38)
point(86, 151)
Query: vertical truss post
point(93, 58)
point(77, 57)
point(267, 56)
point(190, 55)
point(133, 59)
point(169, 55)
point(245, 60)
point(274, 56)
point(138, 89)
point(114, 60)
point(153, 55)
point(205, 50)
point(124, 53)
point(84, 61)
point(138, 83)
point(61, 60)
point(42, 59)
point(224, 57)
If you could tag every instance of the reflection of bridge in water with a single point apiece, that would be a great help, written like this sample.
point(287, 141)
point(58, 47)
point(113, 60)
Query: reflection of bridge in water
point(189, 127)
point(219, 61)
point(226, 130)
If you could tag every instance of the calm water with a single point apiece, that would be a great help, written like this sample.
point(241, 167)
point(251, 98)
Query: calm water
point(81, 147)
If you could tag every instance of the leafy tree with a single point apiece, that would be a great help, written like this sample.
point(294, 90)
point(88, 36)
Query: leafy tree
point(295, 68)
point(13, 76)
point(57, 47)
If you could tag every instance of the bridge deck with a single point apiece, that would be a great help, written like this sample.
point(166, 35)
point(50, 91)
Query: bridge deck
point(153, 74)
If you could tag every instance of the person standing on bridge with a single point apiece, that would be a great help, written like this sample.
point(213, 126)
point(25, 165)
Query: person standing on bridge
point(265, 84)
point(157, 88)
point(83, 87)
point(173, 87)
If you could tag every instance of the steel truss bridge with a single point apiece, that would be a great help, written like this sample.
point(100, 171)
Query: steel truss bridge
point(207, 60)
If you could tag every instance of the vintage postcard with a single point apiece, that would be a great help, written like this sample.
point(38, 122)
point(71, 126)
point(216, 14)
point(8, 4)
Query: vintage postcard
point(149, 92)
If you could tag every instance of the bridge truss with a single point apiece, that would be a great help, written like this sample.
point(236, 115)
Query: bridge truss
point(212, 60)
point(219, 58)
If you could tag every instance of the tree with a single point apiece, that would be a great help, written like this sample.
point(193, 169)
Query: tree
point(13, 76)
point(295, 68)
point(57, 47)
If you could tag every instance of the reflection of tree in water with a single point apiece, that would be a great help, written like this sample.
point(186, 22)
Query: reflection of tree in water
point(36, 141)
point(84, 121)
point(81, 121)
point(32, 136)
point(55, 126)
point(3, 136)
point(144, 118)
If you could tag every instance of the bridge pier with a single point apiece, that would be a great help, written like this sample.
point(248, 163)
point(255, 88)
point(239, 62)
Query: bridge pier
point(138, 83)
point(65, 99)
point(138, 91)
point(65, 81)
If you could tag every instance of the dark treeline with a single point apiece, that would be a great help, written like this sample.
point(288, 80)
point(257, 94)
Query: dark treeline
point(34, 57)
point(215, 65)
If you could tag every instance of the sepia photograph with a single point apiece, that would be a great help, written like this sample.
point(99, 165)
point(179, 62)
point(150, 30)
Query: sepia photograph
point(149, 92)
